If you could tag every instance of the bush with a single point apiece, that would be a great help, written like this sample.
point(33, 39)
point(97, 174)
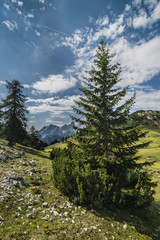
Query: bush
point(98, 182)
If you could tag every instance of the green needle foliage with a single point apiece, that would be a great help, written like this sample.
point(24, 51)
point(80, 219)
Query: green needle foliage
point(102, 167)
point(14, 113)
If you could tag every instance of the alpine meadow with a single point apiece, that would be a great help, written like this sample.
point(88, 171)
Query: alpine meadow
point(101, 183)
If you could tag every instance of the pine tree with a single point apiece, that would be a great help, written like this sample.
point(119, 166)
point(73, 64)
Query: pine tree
point(14, 113)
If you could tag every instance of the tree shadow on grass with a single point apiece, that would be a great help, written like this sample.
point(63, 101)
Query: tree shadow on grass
point(146, 221)
point(37, 153)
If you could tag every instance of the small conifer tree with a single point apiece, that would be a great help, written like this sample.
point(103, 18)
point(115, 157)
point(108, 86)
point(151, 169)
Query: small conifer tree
point(14, 113)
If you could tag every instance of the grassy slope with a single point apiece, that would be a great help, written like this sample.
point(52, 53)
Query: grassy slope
point(76, 223)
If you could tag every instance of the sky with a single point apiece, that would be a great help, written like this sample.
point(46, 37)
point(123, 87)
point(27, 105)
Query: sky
point(49, 44)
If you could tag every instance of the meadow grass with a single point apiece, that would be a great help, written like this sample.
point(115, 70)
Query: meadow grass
point(80, 223)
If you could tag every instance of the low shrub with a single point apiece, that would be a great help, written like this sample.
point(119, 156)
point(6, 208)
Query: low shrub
point(98, 181)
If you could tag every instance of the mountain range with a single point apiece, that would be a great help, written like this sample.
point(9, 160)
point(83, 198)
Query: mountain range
point(51, 133)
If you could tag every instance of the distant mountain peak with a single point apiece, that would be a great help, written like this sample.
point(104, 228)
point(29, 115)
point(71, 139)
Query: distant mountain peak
point(50, 133)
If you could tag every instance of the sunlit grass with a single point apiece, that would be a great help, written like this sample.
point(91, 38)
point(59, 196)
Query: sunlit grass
point(141, 224)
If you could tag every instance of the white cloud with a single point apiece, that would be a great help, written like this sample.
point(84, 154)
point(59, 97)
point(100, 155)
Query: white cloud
point(127, 7)
point(91, 19)
point(137, 3)
point(139, 62)
point(41, 100)
point(41, 1)
point(18, 11)
point(54, 84)
point(111, 31)
point(148, 100)
point(26, 86)
point(2, 82)
point(144, 20)
point(6, 6)
point(151, 4)
point(14, 1)
point(156, 13)
point(20, 4)
point(11, 25)
point(102, 21)
point(30, 15)
point(37, 33)
point(56, 107)
point(57, 110)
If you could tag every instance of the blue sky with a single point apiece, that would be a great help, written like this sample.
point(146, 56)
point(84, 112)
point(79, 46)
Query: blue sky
point(49, 44)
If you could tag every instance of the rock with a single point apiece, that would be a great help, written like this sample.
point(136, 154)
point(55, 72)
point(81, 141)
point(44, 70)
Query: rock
point(15, 183)
point(124, 226)
point(32, 163)
point(65, 214)
point(21, 180)
point(17, 155)
point(34, 211)
point(30, 215)
point(45, 204)
point(20, 209)
point(46, 217)
point(3, 158)
point(55, 213)
point(1, 219)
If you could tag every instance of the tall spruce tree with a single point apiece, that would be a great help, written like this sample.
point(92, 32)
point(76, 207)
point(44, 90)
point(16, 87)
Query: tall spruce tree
point(103, 120)
point(105, 137)
point(102, 167)
point(14, 113)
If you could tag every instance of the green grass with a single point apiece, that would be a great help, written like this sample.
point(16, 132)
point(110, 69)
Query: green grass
point(80, 223)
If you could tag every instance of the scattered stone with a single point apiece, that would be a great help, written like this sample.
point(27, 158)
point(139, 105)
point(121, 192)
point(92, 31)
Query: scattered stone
point(55, 213)
point(1, 219)
point(18, 181)
point(65, 214)
point(3, 158)
point(124, 226)
point(34, 211)
point(32, 163)
point(17, 155)
point(45, 204)
point(30, 215)
point(46, 218)
point(20, 209)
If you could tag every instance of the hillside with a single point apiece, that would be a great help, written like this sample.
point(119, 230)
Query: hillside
point(148, 118)
point(31, 208)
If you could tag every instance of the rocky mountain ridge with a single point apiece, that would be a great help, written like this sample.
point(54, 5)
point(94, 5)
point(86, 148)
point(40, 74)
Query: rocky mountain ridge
point(50, 133)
